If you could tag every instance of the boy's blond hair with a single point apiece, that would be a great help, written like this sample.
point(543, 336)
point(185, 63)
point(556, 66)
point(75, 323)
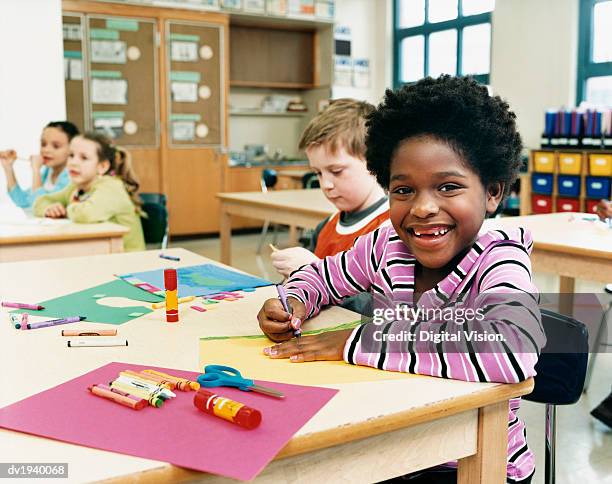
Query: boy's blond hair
point(341, 123)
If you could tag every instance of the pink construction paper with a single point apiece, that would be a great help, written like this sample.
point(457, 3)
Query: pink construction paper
point(178, 432)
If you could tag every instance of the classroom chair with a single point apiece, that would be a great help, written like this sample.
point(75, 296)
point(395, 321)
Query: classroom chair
point(155, 225)
point(310, 180)
point(603, 324)
point(268, 180)
point(560, 376)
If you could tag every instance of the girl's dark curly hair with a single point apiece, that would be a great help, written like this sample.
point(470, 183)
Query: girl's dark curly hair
point(456, 110)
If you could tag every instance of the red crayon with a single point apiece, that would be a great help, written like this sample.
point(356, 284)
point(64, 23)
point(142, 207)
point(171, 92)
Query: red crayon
point(227, 409)
point(170, 283)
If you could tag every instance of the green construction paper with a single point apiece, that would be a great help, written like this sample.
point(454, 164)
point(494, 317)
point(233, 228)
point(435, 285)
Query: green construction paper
point(85, 303)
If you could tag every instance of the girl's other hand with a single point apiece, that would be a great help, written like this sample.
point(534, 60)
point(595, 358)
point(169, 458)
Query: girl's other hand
point(56, 210)
point(288, 260)
point(37, 162)
point(324, 346)
point(7, 158)
point(275, 322)
point(604, 209)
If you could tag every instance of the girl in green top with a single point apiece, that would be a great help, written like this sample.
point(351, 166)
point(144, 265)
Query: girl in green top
point(103, 188)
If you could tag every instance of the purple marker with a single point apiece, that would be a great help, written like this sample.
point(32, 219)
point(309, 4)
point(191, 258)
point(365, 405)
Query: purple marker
point(283, 297)
point(169, 257)
point(56, 322)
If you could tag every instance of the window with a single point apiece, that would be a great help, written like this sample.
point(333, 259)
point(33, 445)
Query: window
point(434, 37)
point(595, 52)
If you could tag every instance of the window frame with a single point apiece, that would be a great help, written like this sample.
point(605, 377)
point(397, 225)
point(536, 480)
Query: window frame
point(428, 28)
point(586, 67)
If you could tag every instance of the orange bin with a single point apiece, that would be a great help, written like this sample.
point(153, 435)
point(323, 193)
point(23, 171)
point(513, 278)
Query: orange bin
point(600, 164)
point(570, 163)
point(543, 161)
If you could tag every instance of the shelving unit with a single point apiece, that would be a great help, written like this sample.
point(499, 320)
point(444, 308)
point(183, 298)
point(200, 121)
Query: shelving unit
point(569, 180)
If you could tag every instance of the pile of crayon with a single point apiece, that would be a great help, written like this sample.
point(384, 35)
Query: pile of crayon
point(140, 389)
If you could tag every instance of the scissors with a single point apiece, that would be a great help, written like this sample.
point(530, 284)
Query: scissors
point(226, 376)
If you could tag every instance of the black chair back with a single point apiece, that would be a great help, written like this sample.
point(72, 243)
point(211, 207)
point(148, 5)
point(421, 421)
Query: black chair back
point(310, 180)
point(561, 374)
point(155, 225)
point(269, 177)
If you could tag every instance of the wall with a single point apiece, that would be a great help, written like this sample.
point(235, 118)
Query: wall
point(534, 58)
point(31, 76)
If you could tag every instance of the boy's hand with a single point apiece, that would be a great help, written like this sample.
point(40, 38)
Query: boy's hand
point(37, 162)
point(324, 346)
point(56, 210)
point(275, 322)
point(287, 260)
point(7, 158)
point(604, 209)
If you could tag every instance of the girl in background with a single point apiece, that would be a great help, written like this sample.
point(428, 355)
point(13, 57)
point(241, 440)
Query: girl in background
point(103, 188)
point(48, 167)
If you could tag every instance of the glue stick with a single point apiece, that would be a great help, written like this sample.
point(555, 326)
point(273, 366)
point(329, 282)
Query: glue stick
point(171, 295)
point(227, 409)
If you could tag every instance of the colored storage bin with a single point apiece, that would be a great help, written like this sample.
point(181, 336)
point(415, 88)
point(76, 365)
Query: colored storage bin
point(597, 187)
point(568, 205)
point(591, 206)
point(543, 162)
point(570, 163)
point(600, 164)
point(542, 183)
point(541, 204)
point(568, 186)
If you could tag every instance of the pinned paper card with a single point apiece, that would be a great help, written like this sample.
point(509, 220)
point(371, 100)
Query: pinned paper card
point(114, 302)
point(247, 352)
point(201, 280)
point(190, 437)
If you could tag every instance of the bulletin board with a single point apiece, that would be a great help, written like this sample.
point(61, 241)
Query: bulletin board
point(195, 84)
point(74, 72)
point(123, 85)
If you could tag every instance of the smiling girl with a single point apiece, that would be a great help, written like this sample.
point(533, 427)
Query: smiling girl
point(447, 152)
point(48, 167)
point(103, 188)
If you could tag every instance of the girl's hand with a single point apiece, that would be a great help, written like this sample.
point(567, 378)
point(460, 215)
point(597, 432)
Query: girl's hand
point(37, 162)
point(275, 322)
point(287, 260)
point(604, 209)
point(7, 158)
point(324, 346)
point(56, 210)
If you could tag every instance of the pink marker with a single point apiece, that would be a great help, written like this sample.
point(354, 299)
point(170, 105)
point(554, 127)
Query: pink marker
point(199, 308)
point(24, 321)
point(33, 307)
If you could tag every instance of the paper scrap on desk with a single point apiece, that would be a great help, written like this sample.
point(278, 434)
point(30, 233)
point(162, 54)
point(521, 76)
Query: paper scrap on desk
point(88, 303)
point(247, 352)
point(178, 432)
point(200, 280)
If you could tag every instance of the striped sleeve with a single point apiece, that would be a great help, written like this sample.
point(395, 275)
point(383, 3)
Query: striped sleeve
point(330, 280)
point(506, 315)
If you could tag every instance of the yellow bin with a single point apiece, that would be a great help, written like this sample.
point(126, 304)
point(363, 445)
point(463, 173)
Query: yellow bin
point(543, 162)
point(600, 164)
point(570, 163)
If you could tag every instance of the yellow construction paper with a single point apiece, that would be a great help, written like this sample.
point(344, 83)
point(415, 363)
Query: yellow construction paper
point(246, 354)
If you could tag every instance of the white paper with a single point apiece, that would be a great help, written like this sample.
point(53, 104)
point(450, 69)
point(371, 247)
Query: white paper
point(361, 73)
point(184, 92)
point(76, 69)
point(108, 51)
point(343, 71)
point(111, 127)
point(183, 130)
point(109, 91)
point(184, 51)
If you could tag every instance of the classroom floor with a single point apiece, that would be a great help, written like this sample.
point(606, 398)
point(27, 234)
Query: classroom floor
point(584, 445)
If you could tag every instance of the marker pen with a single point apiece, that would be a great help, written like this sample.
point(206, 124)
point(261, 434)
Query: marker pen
point(83, 342)
point(33, 307)
point(96, 332)
point(56, 322)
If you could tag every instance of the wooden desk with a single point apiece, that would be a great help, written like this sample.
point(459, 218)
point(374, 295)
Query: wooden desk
point(291, 179)
point(412, 423)
point(47, 239)
point(296, 208)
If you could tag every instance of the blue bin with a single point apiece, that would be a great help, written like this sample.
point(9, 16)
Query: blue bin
point(542, 183)
point(568, 186)
point(597, 187)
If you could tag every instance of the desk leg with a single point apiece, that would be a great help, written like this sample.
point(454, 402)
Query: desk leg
point(566, 294)
point(225, 234)
point(293, 238)
point(488, 465)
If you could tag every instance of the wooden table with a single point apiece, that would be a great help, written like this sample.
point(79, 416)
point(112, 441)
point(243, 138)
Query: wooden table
point(296, 208)
point(46, 239)
point(566, 245)
point(291, 178)
point(412, 423)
